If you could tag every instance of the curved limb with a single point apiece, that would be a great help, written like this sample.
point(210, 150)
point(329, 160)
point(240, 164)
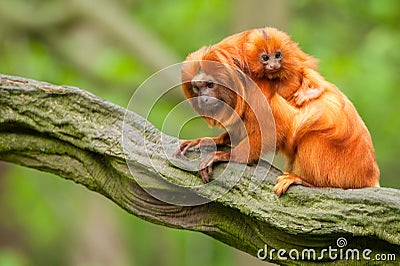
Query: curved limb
point(222, 140)
point(284, 181)
point(247, 151)
point(311, 88)
point(302, 96)
point(206, 164)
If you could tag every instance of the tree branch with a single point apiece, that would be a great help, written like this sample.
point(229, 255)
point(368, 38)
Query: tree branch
point(78, 136)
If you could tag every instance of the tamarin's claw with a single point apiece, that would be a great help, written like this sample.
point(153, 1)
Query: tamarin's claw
point(205, 174)
point(196, 144)
point(185, 145)
point(284, 181)
point(206, 164)
point(205, 167)
point(303, 96)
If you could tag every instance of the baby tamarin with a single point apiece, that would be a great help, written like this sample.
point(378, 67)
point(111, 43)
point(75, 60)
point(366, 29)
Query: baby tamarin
point(271, 55)
point(318, 129)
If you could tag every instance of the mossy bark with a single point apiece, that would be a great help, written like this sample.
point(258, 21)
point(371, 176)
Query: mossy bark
point(78, 136)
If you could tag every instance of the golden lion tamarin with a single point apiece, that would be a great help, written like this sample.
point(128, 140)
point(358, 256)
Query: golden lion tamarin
point(224, 96)
point(317, 128)
point(329, 145)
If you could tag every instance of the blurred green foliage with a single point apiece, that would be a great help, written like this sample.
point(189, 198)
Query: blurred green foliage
point(45, 220)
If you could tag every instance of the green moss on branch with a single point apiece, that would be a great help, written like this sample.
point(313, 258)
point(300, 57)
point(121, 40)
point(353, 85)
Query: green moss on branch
point(76, 135)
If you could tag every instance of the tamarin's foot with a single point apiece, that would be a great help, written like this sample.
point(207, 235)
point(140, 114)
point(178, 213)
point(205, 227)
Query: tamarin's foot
point(287, 179)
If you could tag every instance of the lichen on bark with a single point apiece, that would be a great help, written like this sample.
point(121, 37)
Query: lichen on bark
point(77, 136)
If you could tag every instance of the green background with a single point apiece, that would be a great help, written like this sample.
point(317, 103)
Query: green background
point(98, 46)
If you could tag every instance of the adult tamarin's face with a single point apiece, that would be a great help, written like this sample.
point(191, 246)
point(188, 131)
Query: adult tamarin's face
point(213, 90)
point(211, 97)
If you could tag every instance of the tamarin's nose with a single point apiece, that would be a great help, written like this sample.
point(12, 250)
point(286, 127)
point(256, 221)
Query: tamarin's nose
point(272, 66)
point(205, 99)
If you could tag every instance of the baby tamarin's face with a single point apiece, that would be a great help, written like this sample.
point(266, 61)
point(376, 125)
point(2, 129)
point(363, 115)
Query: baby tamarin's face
point(266, 53)
point(271, 54)
point(272, 61)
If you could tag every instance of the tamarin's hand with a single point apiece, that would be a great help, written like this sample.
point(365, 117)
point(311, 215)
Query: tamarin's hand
point(205, 167)
point(197, 144)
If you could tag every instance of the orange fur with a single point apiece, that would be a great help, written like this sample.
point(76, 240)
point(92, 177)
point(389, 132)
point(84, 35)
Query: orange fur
point(318, 129)
point(246, 140)
point(328, 144)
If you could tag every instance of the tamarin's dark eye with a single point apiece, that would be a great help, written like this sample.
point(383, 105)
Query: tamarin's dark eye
point(264, 57)
point(210, 84)
point(195, 89)
point(278, 55)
